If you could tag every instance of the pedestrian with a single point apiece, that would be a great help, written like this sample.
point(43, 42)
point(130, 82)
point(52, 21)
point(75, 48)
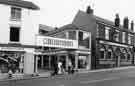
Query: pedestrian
point(69, 66)
point(10, 73)
point(55, 69)
point(59, 67)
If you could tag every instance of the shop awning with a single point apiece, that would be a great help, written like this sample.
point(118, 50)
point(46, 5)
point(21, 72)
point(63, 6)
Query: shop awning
point(1, 58)
point(12, 58)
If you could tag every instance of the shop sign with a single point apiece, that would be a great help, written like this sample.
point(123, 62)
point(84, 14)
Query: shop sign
point(56, 42)
point(125, 62)
point(106, 62)
point(11, 49)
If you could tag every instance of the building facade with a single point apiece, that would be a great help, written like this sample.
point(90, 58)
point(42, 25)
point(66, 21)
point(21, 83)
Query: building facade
point(112, 43)
point(17, 35)
point(64, 44)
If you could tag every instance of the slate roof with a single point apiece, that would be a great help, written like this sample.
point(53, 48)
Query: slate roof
point(96, 18)
point(20, 3)
point(65, 27)
point(45, 27)
point(102, 20)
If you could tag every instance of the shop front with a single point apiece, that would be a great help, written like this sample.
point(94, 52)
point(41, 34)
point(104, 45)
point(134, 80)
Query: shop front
point(48, 60)
point(16, 59)
point(114, 55)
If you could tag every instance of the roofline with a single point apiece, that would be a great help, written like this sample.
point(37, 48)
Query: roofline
point(20, 3)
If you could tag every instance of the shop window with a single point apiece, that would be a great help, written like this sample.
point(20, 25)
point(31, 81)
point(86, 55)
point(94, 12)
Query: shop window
point(82, 62)
point(14, 34)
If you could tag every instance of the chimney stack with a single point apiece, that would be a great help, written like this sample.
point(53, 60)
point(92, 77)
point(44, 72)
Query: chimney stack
point(132, 25)
point(126, 22)
point(117, 20)
point(89, 10)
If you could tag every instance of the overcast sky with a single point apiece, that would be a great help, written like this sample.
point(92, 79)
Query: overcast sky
point(57, 13)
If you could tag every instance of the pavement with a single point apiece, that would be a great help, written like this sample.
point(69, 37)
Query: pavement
point(122, 76)
point(19, 76)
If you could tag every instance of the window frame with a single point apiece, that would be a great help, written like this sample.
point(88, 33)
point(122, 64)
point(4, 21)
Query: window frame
point(16, 13)
point(10, 39)
point(102, 50)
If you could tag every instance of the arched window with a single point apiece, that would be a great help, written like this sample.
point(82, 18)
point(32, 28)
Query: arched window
point(109, 54)
point(123, 55)
point(129, 56)
point(102, 53)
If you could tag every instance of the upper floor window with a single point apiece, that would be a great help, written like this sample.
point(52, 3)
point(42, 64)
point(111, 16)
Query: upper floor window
point(117, 35)
point(83, 39)
point(15, 13)
point(129, 39)
point(60, 35)
point(100, 31)
point(72, 35)
point(97, 31)
point(14, 34)
point(107, 33)
point(132, 39)
point(123, 37)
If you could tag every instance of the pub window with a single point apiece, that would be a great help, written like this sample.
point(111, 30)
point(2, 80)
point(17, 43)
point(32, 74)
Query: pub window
point(14, 34)
point(102, 56)
point(129, 57)
point(109, 55)
point(123, 56)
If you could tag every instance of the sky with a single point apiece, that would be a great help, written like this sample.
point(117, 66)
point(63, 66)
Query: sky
point(57, 13)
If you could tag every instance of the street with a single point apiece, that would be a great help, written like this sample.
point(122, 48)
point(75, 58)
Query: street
point(125, 77)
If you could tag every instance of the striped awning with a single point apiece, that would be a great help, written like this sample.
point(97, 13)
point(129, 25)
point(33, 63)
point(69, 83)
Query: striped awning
point(12, 58)
point(1, 58)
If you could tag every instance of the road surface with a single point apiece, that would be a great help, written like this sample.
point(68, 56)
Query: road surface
point(124, 77)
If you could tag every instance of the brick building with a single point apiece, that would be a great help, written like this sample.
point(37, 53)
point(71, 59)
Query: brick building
point(112, 43)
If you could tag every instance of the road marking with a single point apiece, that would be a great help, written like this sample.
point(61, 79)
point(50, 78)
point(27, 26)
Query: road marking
point(100, 80)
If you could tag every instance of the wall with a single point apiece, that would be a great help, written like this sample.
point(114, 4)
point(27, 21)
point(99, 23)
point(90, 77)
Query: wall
point(4, 26)
point(29, 25)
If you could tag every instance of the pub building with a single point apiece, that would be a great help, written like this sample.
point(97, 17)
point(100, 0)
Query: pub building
point(63, 44)
point(112, 43)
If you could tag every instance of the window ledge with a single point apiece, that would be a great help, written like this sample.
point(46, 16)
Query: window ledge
point(18, 20)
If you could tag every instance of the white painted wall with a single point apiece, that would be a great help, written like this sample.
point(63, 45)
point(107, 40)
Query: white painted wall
point(29, 25)
point(4, 26)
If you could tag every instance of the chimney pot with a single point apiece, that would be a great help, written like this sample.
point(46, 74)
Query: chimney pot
point(132, 25)
point(89, 10)
point(126, 22)
point(117, 20)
